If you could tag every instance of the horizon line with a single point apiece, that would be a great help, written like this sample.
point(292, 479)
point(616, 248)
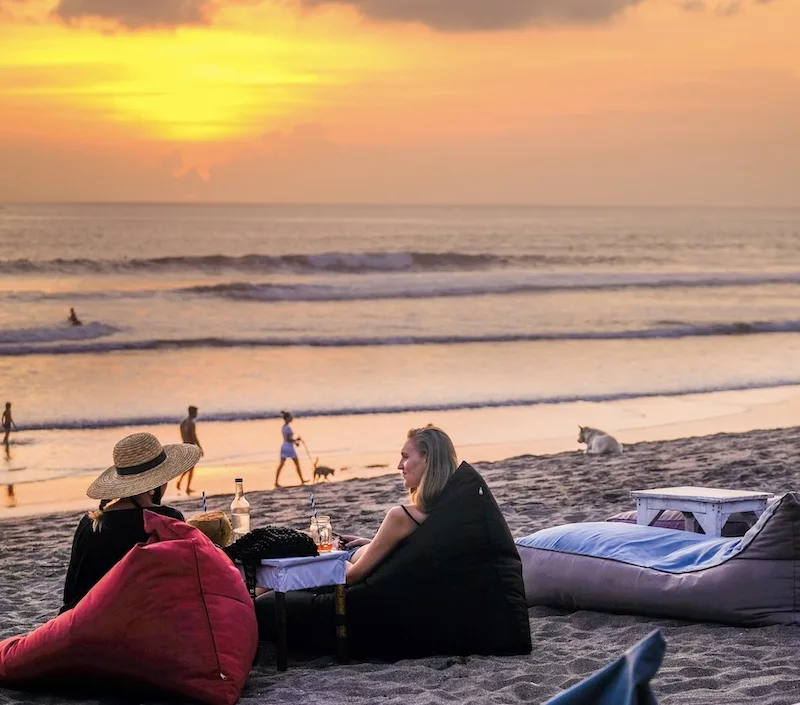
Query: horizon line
point(403, 204)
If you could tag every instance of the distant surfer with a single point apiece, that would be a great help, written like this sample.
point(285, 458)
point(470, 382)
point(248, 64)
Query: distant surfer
point(73, 318)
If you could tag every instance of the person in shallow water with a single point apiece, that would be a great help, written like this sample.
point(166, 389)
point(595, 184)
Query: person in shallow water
point(7, 423)
point(73, 318)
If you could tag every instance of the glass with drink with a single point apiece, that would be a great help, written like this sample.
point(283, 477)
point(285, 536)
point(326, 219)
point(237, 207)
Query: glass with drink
point(322, 533)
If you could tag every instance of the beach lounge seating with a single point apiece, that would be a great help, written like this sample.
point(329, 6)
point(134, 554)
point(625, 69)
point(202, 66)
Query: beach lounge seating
point(453, 587)
point(753, 580)
point(626, 681)
point(737, 525)
point(173, 616)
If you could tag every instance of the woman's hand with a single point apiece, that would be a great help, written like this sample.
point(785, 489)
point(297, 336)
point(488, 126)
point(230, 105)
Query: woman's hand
point(350, 541)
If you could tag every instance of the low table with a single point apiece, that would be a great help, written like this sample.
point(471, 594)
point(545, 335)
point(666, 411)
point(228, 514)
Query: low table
point(285, 574)
point(709, 507)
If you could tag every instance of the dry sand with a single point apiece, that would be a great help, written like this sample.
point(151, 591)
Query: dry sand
point(705, 664)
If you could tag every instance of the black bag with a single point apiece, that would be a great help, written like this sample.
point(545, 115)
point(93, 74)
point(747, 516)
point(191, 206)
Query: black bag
point(268, 542)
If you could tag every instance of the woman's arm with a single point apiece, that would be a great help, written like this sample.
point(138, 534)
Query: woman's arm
point(71, 588)
point(395, 527)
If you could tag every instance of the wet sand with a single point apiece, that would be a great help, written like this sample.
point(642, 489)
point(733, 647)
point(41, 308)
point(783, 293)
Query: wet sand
point(354, 445)
point(705, 664)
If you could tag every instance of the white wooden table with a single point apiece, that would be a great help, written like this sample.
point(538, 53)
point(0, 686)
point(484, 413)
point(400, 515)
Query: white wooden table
point(709, 507)
point(285, 574)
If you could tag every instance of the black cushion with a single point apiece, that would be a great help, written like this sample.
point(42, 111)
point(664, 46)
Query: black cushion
point(453, 587)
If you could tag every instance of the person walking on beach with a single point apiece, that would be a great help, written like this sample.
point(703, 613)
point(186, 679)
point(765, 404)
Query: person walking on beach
point(189, 435)
point(8, 423)
point(288, 448)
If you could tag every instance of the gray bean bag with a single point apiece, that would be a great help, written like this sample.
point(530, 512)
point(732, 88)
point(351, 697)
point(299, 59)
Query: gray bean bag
point(753, 580)
point(454, 587)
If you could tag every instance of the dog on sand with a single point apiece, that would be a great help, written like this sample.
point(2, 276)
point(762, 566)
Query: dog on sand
point(598, 442)
point(321, 471)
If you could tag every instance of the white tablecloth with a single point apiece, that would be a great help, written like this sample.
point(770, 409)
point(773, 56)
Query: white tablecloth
point(285, 574)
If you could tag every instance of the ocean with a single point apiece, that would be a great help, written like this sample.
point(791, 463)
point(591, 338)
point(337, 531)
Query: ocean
point(346, 311)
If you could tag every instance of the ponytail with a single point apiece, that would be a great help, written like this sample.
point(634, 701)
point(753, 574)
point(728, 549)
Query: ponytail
point(97, 515)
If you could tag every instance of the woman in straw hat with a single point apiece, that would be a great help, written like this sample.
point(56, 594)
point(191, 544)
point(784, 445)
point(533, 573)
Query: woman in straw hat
point(137, 481)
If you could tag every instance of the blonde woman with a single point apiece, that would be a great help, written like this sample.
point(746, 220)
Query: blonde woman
point(427, 460)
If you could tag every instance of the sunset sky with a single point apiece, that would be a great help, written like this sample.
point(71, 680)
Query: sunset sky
point(417, 101)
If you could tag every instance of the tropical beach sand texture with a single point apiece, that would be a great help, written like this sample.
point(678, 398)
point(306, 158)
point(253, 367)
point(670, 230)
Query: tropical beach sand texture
point(706, 664)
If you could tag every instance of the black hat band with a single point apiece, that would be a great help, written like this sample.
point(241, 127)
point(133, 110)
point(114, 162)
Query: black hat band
point(143, 467)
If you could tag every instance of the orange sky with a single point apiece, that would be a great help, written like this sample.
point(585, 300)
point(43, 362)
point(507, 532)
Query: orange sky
point(556, 101)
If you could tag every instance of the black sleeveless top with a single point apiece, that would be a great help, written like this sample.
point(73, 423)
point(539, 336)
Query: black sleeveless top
point(409, 515)
point(94, 553)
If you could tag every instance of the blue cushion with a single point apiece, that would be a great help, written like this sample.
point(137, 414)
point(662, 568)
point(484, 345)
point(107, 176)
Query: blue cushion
point(626, 681)
point(644, 546)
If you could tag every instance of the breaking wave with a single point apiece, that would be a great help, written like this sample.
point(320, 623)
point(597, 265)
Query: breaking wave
point(35, 343)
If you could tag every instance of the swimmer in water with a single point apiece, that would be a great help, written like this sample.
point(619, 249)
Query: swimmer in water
point(73, 319)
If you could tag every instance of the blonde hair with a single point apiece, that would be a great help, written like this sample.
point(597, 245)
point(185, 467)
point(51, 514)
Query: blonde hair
point(98, 514)
point(440, 463)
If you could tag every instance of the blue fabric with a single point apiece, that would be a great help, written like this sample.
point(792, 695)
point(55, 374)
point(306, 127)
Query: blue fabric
point(644, 546)
point(626, 681)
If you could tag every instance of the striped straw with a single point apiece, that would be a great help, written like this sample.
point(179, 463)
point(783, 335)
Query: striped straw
point(313, 506)
point(205, 506)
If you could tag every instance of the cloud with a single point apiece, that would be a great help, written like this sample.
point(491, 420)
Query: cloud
point(440, 15)
point(51, 171)
point(484, 15)
point(694, 5)
point(735, 142)
point(137, 14)
point(728, 9)
point(724, 8)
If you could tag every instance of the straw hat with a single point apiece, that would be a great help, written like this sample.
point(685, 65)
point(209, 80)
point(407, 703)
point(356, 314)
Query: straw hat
point(215, 525)
point(141, 464)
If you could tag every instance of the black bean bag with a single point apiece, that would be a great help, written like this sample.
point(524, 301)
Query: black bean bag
point(454, 587)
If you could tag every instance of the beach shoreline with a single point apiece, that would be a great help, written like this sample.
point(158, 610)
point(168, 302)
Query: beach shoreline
point(706, 664)
point(367, 446)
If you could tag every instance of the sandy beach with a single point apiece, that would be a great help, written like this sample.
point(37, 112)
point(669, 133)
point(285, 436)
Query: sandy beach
point(705, 664)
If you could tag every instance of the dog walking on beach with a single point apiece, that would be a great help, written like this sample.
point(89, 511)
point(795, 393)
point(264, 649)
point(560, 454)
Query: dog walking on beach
point(320, 471)
point(598, 442)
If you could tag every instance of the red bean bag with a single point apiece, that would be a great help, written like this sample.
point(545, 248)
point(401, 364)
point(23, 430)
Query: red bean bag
point(173, 616)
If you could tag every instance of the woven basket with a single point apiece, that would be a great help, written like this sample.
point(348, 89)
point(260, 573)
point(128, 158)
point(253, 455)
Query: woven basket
point(215, 525)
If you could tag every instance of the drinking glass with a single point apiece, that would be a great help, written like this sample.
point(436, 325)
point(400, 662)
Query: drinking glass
point(322, 533)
